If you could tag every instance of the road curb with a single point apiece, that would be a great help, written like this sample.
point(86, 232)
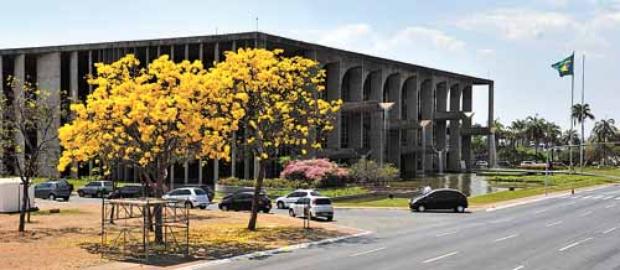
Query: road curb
point(271, 252)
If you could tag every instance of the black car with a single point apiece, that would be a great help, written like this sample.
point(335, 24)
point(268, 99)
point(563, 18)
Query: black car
point(63, 180)
point(128, 191)
point(206, 188)
point(443, 198)
point(52, 190)
point(243, 201)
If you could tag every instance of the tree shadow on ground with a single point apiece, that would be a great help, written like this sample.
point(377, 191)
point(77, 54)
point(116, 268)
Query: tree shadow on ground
point(213, 249)
point(36, 234)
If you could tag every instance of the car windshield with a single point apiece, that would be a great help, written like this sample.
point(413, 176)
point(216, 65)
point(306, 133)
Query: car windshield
point(315, 193)
point(322, 201)
point(199, 191)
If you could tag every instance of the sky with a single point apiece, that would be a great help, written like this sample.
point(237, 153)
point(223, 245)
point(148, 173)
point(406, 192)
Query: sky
point(511, 42)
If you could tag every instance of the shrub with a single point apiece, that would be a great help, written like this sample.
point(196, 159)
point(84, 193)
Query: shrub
point(315, 172)
point(369, 171)
point(269, 183)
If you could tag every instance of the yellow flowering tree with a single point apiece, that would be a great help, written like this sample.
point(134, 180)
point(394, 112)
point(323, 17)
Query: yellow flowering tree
point(152, 117)
point(283, 108)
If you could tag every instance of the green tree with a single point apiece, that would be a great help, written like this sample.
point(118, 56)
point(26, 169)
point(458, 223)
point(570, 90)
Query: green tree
point(603, 131)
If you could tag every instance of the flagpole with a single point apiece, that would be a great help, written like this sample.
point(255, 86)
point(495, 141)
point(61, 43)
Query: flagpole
point(572, 102)
point(583, 87)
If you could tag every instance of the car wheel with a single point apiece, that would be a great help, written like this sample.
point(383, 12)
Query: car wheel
point(189, 205)
point(291, 213)
point(421, 208)
point(202, 207)
point(66, 199)
point(280, 205)
point(330, 218)
point(81, 193)
point(459, 209)
point(51, 197)
point(266, 210)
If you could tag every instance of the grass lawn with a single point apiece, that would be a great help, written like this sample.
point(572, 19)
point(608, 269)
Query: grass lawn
point(374, 202)
point(556, 182)
point(614, 171)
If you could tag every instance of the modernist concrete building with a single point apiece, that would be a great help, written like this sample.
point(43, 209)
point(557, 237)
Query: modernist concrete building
point(427, 127)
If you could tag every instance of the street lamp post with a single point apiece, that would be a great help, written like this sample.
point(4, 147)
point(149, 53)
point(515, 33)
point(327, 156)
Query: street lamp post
point(386, 106)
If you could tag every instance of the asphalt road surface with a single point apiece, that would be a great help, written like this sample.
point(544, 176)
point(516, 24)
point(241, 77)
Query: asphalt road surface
point(570, 232)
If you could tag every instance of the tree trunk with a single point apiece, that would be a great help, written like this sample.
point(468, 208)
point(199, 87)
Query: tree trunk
point(23, 208)
point(258, 185)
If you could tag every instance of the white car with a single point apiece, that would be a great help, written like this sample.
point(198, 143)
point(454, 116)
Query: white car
point(284, 201)
point(317, 207)
point(189, 197)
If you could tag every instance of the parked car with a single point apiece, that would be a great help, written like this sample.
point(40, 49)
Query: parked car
point(443, 198)
point(243, 201)
point(208, 189)
point(63, 180)
point(481, 164)
point(128, 191)
point(96, 189)
point(284, 201)
point(52, 190)
point(318, 207)
point(189, 197)
point(526, 163)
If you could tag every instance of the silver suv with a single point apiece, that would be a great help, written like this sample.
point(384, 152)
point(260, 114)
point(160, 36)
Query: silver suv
point(312, 207)
point(285, 201)
point(96, 189)
point(189, 197)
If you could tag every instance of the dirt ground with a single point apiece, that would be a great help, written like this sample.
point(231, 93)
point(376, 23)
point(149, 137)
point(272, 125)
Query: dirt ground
point(71, 239)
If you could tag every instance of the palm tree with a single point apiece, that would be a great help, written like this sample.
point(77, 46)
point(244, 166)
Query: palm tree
point(535, 129)
point(517, 128)
point(604, 130)
point(570, 137)
point(580, 113)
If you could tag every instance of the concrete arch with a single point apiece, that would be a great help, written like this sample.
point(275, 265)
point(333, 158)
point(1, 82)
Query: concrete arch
point(351, 85)
point(409, 98)
point(372, 86)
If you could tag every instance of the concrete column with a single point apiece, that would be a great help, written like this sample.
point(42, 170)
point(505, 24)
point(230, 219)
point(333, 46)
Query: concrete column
point(355, 119)
point(427, 103)
point(455, 130)
point(200, 172)
point(440, 128)
point(186, 54)
point(466, 140)
point(19, 73)
point(48, 77)
point(410, 90)
point(376, 117)
point(216, 171)
point(73, 89)
point(185, 172)
point(333, 82)
point(201, 54)
point(490, 124)
point(90, 69)
point(147, 56)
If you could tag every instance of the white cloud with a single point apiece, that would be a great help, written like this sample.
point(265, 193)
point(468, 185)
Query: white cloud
point(419, 35)
point(345, 35)
point(518, 24)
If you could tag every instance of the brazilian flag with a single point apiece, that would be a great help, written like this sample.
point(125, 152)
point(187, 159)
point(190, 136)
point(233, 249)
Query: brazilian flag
point(565, 67)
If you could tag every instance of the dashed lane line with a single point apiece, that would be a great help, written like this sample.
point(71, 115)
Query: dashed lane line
point(368, 251)
point(506, 237)
point(575, 244)
point(553, 224)
point(441, 257)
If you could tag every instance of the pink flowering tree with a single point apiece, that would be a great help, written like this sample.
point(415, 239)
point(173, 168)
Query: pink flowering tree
point(317, 172)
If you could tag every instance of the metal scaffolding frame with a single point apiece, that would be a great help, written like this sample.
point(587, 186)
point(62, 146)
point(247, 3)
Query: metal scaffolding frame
point(127, 228)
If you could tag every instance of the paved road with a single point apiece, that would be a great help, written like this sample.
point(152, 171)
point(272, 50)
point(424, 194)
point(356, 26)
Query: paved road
point(571, 232)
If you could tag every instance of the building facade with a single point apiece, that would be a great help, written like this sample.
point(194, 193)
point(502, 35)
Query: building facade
point(415, 117)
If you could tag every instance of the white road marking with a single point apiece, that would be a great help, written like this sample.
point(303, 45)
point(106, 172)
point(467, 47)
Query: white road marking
point(506, 238)
point(441, 257)
point(502, 220)
point(519, 267)
point(597, 197)
point(585, 213)
point(610, 206)
point(541, 211)
point(575, 244)
point(368, 251)
point(446, 233)
point(553, 223)
point(587, 197)
point(607, 197)
point(571, 203)
point(617, 198)
point(610, 230)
